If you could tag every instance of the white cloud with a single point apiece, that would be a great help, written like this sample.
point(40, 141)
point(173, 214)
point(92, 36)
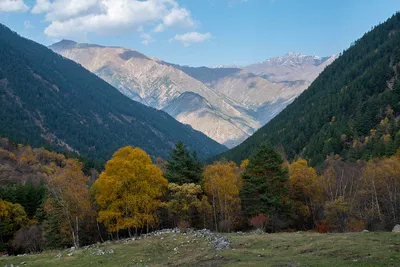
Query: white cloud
point(79, 17)
point(192, 37)
point(41, 6)
point(147, 39)
point(13, 6)
point(27, 25)
point(177, 17)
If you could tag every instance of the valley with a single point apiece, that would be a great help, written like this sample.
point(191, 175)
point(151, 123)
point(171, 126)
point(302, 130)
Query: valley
point(112, 157)
point(226, 104)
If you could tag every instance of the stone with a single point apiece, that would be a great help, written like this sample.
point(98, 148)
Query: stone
point(70, 254)
point(365, 231)
point(59, 255)
point(396, 228)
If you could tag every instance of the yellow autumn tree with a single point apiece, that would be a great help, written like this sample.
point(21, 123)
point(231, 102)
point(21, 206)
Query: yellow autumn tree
point(12, 217)
point(222, 182)
point(184, 201)
point(69, 192)
point(129, 191)
point(381, 181)
point(306, 192)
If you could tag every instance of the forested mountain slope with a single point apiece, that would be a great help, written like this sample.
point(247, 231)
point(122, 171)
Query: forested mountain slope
point(47, 100)
point(351, 109)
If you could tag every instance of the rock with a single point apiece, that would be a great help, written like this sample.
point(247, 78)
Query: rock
point(396, 228)
point(365, 231)
point(59, 255)
point(98, 252)
point(70, 254)
point(23, 263)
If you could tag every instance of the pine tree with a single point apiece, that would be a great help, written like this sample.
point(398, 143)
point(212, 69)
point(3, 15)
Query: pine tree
point(183, 166)
point(265, 188)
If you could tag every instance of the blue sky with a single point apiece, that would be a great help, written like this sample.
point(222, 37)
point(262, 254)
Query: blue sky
point(201, 32)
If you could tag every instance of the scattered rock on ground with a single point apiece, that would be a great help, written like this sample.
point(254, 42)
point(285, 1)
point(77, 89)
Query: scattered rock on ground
point(396, 228)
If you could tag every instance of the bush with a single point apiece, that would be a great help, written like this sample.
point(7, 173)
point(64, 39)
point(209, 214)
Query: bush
point(183, 226)
point(225, 226)
point(259, 221)
point(355, 225)
point(28, 239)
point(322, 227)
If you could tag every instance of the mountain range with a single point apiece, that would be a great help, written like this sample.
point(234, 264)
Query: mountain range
point(228, 104)
point(48, 100)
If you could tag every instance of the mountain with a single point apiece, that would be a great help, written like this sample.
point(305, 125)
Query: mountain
point(352, 109)
point(160, 85)
point(291, 67)
point(226, 104)
point(48, 100)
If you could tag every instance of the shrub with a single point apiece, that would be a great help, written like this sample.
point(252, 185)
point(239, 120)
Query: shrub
point(322, 227)
point(258, 221)
point(355, 225)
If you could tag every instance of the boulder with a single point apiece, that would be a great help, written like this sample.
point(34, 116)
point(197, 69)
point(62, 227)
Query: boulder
point(396, 228)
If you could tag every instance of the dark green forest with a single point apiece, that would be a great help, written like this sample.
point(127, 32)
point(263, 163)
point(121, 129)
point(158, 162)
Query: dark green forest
point(48, 100)
point(351, 109)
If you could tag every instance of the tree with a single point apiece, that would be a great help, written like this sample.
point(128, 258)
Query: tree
point(222, 183)
point(382, 189)
point(68, 190)
point(337, 214)
point(265, 188)
point(12, 218)
point(306, 191)
point(28, 239)
point(183, 166)
point(129, 191)
point(184, 203)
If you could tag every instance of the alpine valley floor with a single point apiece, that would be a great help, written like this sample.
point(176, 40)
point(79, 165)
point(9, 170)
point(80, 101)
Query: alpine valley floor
point(180, 249)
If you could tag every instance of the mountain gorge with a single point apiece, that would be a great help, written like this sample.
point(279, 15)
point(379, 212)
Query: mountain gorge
point(48, 100)
point(226, 104)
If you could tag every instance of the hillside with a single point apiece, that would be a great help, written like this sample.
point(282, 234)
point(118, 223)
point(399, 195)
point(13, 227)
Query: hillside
point(351, 109)
point(284, 249)
point(47, 100)
point(226, 104)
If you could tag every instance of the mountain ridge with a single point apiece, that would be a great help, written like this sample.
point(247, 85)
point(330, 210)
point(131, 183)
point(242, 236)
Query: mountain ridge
point(239, 102)
point(47, 99)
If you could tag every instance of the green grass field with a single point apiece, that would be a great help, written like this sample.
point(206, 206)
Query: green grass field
point(284, 249)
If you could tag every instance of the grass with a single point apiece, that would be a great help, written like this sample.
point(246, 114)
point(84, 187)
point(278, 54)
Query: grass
point(284, 249)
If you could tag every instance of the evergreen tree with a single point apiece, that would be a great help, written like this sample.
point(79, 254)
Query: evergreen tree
point(265, 187)
point(183, 166)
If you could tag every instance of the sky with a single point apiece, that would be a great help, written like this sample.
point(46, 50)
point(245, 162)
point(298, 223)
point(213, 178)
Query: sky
point(201, 32)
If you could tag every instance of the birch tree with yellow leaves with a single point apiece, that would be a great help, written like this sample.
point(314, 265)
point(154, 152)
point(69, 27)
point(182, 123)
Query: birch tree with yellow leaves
point(222, 182)
point(68, 191)
point(129, 191)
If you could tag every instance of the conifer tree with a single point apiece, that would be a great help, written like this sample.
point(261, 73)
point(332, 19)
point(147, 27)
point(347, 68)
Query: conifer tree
point(265, 188)
point(183, 166)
